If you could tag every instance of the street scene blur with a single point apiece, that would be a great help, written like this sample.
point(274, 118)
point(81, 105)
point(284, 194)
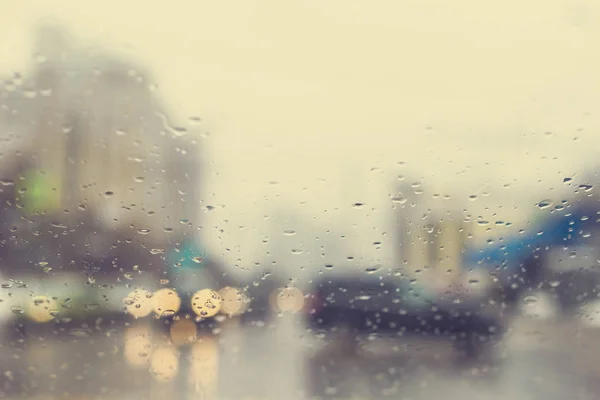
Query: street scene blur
point(241, 223)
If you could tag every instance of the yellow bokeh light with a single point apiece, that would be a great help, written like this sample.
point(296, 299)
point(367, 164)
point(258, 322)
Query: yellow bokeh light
point(139, 303)
point(166, 302)
point(206, 303)
point(42, 309)
point(233, 301)
point(289, 299)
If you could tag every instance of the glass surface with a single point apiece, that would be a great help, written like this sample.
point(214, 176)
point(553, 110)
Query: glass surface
point(299, 200)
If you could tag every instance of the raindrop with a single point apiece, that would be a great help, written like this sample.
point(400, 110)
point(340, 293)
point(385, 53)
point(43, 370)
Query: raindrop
point(6, 182)
point(289, 232)
point(17, 310)
point(143, 231)
point(157, 251)
point(572, 254)
point(139, 179)
point(373, 269)
point(530, 300)
point(545, 204)
point(297, 251)
point(399, 200)
point(108, 194)
point(358, 205)
point(197, 259)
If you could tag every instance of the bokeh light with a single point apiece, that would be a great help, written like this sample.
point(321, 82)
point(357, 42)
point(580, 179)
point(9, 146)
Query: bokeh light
point(206, 303)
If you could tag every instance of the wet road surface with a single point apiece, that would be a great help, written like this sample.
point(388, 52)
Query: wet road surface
point(280, 359)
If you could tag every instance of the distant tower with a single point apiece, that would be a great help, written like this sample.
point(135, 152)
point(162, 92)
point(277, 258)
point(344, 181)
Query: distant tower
point(451, 240)
point(414, 237)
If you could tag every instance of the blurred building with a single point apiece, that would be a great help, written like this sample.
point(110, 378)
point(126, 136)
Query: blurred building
point(93, 126)
point(431, 235)
point(88, 144)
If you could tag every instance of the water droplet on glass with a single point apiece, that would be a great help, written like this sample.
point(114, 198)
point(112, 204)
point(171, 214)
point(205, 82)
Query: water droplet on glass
point(289, 232)
point(545, 204)
point(530, 300)
point(373, 269)
point(143, 231)
point(108, 194)
point(399, 200)
point(17, 310)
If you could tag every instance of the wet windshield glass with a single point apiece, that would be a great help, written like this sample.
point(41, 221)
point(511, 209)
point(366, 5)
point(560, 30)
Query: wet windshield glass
point(299, 200)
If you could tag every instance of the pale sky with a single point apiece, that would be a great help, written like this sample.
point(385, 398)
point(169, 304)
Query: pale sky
point(315, 94)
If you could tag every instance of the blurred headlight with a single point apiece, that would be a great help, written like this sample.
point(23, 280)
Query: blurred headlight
point(287, 299)
point(206, 303)
point(166, 302)
point(234, 301)
point(139, 303)
point(42, 309)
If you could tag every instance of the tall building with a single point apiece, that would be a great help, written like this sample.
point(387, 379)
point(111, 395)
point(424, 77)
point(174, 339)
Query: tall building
point(92, 167)
point(98, 133)
point(431, 236)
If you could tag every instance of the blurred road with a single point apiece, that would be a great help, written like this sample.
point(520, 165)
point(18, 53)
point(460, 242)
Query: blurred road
point(539, 360)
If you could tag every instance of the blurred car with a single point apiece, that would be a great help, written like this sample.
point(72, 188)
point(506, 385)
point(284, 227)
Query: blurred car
point(384, 303)
point(556, 259)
